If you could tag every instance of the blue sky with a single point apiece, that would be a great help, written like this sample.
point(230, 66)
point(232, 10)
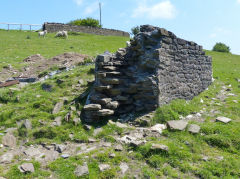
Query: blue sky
point(203, 21)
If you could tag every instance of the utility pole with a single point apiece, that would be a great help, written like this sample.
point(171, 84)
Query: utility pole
point(100, 10)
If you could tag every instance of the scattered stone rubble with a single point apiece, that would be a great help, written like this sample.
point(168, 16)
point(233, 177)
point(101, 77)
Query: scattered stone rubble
point(156, 68)
point(34, 65)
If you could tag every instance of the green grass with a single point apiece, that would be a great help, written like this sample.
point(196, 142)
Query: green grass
point(15, 46)
point(186, 151)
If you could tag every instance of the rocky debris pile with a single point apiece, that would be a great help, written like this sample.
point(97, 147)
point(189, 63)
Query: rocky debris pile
point(34, 58)
point(67, 59)
point(156, 68)
point(35, 65)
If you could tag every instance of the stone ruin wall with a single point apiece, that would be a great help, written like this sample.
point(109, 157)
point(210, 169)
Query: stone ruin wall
point(156, 68)
point(55, 27)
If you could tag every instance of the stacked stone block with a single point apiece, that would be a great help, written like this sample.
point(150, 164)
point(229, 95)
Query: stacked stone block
point(155, 69)
point(55, 27)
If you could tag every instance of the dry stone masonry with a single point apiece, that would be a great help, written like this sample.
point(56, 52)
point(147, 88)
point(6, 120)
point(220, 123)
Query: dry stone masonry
point(155, 69)
point(55, 27)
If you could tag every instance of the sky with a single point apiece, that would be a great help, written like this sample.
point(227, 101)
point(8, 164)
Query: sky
point(202, 21)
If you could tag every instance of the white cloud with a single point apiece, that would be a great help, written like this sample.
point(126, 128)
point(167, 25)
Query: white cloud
point(213, 35)
point(78, 2)
point(219, 31)
point(91, 8)
point(238, 1)
point(161, 10)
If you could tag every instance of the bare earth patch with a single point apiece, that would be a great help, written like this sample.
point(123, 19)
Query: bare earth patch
point(36, 64)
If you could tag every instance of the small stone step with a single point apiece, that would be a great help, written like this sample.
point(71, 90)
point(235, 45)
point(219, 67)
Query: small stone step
point(102, 88)
point(110, 68)
point(105, 112)
point(92, 107)
point(114, 73)
point(105, 101)
point(103, 58)
point(115, 92)
point(110, 81)
point(122, 98)
point(113, 105)
point(101, 75)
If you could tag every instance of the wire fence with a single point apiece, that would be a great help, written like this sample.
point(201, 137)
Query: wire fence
point(17, 26)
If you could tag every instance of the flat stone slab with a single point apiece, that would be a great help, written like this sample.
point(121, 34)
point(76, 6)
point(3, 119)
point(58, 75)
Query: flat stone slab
point(105, 112)
point(177, 125)
point(118, 147)
point(26, 168)
point(104, 167)
point(7, 158)
point(32, 152)
point(81, 170)
point(92, 107)
point(57, 107)
point(9, 140)
point(159, 147)
point(158, 128)
point(223, 119)
point(194, 129)
point(124, 167)
point(65, 156)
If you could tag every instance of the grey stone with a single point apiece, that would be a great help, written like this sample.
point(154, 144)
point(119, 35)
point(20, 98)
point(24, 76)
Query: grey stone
point(107, 144)
point(193, 128)
point(81, 170)
point(57, 107)
point(113, 105)
point(118, 147)
point(87, 127)
point(65, 156)
point(26, 168)
point(205, 158)
point(121, 125)
point(9, 140)
point(76, 121)
point(223, 119)
point(105, 112)
point(158, 128)
point(92, 107)
point(73, 108)
point(177, 125)
point(91, 140)
point(27, 124)
point(32, 152)
point(97, 131)
point(60, 148)
point(57, 121)
point(124, 167)
point(51, 155)
point(111, 81)
point(137, 143)
point(112, 155)
point(7, 158)
point(160, 147)
point(81, 82)
point(103, 167)
point(68, 116)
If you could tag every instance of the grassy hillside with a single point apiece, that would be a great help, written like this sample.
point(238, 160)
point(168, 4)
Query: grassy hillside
point(213, 153)
point(17, 45)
